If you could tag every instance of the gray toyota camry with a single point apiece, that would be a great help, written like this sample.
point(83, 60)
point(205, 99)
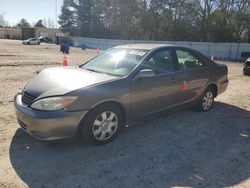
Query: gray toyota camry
point(96, 99)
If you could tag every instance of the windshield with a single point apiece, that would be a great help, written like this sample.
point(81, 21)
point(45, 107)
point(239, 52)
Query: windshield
point(117, 62)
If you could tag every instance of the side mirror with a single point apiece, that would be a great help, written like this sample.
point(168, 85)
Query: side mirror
point(146, 73)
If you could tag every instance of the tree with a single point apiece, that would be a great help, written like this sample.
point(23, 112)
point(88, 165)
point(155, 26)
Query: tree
point(84, 12)
point(39, 23)
point(48, 22)
point(67, 18)
point(181, 20)
point(23, 23)
point(119, 18)
point(240, 18)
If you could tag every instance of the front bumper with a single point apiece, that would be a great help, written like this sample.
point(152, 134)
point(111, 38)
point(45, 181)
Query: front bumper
point(47, 125)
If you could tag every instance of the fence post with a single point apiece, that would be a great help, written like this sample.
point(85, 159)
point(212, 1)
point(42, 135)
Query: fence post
point(208, 50)
point(230, 53)
point(236, 58)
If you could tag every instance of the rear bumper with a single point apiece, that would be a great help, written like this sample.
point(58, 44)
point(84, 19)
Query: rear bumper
point(44, 125)
point(222, 85)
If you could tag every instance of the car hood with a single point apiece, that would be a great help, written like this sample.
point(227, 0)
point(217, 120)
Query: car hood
point(59, 81)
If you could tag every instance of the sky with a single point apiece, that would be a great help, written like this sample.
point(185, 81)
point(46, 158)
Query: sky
point(32, 10)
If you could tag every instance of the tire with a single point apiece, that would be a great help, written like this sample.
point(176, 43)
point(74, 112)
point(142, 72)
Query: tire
point(206, 100)
point(102, 124)
point(246, 72)
point(28, 43)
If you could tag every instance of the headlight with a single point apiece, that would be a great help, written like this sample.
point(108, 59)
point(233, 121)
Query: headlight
point(53, 103)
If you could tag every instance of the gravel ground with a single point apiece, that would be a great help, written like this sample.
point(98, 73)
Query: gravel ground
point(180, 149)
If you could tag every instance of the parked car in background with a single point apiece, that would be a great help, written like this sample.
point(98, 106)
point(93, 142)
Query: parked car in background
point(31, 41)
point(45, 39)
point(96, 99)
point(246, 69)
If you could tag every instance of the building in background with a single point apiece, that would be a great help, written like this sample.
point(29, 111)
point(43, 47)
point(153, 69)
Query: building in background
point(24, 33)
point(52, 33)
point(11, 33)
point(28, 33)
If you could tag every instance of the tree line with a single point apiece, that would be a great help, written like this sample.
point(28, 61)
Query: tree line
point(23, 23)
point(179, 20)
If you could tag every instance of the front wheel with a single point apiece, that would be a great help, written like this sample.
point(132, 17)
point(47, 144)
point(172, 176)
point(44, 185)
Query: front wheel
point(102, 124)
point(206, 101)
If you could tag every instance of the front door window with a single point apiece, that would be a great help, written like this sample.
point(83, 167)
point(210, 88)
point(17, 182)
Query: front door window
point(162, 62)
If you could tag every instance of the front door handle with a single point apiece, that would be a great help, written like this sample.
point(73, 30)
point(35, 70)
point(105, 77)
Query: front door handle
point(173, 80)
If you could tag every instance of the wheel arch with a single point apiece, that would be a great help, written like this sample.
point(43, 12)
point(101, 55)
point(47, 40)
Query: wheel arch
point(113, 102)
point(214, 88)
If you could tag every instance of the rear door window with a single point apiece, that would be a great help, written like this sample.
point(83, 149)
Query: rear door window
point(187, 60)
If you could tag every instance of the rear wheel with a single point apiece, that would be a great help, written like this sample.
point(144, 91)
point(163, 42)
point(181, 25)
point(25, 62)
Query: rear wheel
point(102, 124)
point(206, 100)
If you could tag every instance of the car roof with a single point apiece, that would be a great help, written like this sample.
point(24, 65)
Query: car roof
point(148, 46)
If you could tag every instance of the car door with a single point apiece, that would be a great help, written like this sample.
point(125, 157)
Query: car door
point(155, 93)
point(192, 75)
point(33, 41)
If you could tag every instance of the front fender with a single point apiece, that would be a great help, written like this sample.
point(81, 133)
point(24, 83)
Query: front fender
point(116, 91)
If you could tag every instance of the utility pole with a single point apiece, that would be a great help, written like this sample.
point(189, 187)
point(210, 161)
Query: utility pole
point(56, 13)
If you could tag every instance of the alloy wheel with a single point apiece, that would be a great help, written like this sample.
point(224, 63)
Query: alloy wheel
point(208, 100)
point(105, 126)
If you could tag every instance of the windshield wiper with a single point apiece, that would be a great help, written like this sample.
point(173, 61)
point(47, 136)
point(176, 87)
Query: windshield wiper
point(92, 70)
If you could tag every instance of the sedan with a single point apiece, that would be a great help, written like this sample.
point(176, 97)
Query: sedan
point(95, 100)
point(31, 41)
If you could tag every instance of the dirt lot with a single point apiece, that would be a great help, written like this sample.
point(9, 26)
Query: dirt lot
point(181, 149)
